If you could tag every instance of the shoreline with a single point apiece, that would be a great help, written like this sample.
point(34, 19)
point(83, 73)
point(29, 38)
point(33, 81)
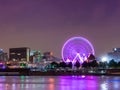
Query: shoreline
point(27, 72)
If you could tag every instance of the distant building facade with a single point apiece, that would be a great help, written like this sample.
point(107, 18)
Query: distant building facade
point(3, 56)
point(48, 55)
point(114, 55)
point(35, 56)
point(19, 54)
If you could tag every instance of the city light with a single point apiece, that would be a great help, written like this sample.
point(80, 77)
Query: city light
point(81, 60)
point(77, 49)
point(104, 59)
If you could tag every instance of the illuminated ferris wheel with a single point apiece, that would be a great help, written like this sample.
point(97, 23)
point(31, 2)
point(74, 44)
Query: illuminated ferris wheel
point(76, 49)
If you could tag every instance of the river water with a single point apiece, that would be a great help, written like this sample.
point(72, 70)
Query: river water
point(59, 82)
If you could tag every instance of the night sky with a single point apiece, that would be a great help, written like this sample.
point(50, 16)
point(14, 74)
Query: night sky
point(46, 24)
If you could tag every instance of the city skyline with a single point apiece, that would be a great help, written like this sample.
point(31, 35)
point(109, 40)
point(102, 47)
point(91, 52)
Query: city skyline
point(46, 25)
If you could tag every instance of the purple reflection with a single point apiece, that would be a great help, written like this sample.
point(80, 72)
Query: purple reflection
point(78, 83)
point(60, 83)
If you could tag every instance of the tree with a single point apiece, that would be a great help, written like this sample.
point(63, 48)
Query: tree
point(91, 57)
point(112, 63)
point(118, 64)
point(62, 64)
point(77, 64)
point(94, 63)
point(54, 64)
point(102, 64)
point(69, 65)
point(85, 64)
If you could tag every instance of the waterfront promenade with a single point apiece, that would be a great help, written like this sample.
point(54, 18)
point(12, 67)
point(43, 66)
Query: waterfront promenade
point(28, 72)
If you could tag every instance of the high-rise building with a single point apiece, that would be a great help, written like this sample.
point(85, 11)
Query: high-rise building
point(19, 54)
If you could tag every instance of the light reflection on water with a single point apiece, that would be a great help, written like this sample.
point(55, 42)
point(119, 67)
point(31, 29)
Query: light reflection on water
point(59, 82)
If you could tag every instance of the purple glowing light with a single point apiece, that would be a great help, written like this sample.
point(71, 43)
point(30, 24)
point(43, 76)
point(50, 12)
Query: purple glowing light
point(77, 49)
